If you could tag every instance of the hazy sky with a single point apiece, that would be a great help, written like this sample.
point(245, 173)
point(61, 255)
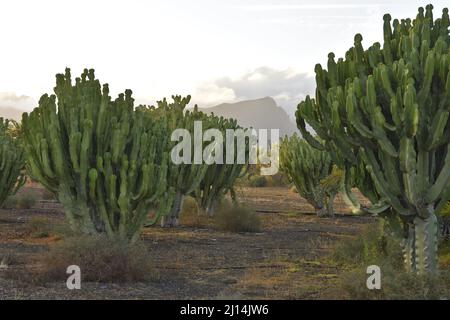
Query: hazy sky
point(218, 51)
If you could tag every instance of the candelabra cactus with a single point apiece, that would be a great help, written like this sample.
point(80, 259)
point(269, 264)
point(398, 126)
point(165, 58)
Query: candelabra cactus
point(98, 156)
point(182, 178)
point(306, 167)
point(388, 108)
point(11, 162)
point(221, 177)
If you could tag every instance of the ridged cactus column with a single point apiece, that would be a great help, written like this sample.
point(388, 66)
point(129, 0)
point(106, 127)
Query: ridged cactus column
point(11, 162)
point(98, 156)
point(220, 178)
point(306, 167)
point(388, 107)
point(182, 178)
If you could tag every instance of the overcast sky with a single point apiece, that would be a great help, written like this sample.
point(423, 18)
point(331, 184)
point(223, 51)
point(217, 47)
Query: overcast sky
point(218, 51)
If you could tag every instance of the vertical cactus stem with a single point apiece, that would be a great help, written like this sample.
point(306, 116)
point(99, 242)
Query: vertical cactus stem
point(408, 248)
point(426, 243)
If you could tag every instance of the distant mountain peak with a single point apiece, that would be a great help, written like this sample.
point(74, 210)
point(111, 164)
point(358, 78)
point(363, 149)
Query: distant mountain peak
point(262, 113)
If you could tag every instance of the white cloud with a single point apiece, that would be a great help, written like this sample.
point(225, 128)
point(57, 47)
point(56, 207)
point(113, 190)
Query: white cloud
point(210, 94)
point(14, 101)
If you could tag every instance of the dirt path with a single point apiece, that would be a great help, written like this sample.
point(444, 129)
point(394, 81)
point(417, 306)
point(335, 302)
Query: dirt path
point(287, 260)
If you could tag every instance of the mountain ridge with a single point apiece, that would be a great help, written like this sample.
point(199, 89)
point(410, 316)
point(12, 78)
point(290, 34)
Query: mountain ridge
point(262, 113)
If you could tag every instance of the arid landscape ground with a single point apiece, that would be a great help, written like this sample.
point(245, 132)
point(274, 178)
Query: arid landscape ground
point(288, 259)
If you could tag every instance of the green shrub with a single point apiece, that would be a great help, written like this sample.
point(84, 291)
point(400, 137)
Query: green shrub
point(371, 246)
point(100, 260)
point(21, 201)
point(257, 181)
point(10, 203)
point(47, 195)
point(26, 200)
point(397, 285)
point(376, 246)
point(237, 219)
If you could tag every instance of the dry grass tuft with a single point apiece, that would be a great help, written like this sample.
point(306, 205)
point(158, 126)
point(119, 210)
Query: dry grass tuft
point(100, 260)
point(237, 219)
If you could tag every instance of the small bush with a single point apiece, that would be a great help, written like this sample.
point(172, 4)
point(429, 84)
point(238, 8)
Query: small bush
point(47, 195)
point(27, 201)
point(294, 189)
point(258, 181)
point(100, 260)
point(397, 285)
point(236, 219)
point(21, 201)
point(190, 215)
point(40, 227)
point(371, 246)
point(374, 246)
point(10, 203)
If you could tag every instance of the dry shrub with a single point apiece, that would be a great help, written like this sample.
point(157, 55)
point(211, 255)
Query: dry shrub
point(190, 215)
point(43, 227)
point(100, 260)
point(47, 195)
point(374, 246)
point(258, 181)
point(237, 219)
point(397, 285)
point(21, 201)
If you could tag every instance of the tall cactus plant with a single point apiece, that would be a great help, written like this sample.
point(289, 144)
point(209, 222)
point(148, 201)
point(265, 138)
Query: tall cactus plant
point(306, 167)
point(182, 178)
point(220, 178)
point(98, 156)
point(11, 162)
point(388, 107)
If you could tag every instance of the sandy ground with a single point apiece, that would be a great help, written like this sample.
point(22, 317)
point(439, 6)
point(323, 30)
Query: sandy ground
point(286, 260)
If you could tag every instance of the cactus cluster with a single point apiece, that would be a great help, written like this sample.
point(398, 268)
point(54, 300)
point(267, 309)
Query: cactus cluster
point(98, 156)
point(221, 177)
point(183, 178)
point(306, 167)
point(11, 161)
point(384, 112)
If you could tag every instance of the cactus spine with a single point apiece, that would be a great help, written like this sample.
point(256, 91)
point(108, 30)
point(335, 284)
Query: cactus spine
point(98, 156)
point(11, 162)
point(388, 107)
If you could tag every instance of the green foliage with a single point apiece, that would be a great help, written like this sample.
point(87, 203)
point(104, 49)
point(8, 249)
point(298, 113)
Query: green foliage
point(98, 156)
point(307, 167)
point(11, 161)
point(257, 181)
point(385, 111)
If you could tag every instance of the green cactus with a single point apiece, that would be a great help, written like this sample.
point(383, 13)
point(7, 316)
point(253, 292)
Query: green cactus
point(220, 178)
point(99, 157)
point(388, 108)
point(184, 178)
point(306, 167)
point(11, 161)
